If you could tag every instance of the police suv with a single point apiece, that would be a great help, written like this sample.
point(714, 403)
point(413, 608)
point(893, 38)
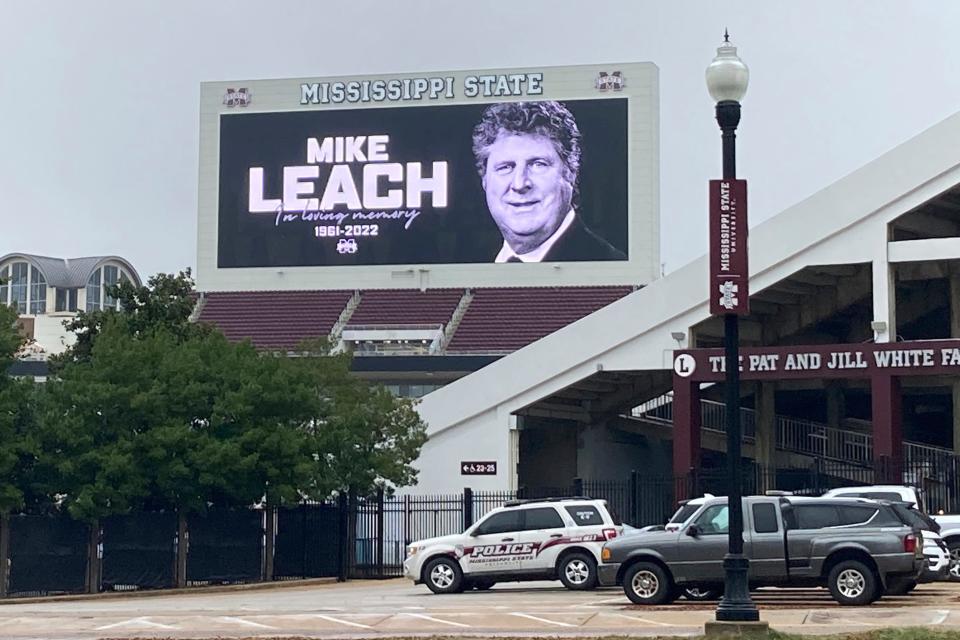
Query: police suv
point(556, 538)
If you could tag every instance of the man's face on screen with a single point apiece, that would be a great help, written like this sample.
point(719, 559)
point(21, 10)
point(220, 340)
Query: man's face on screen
point(528, 192)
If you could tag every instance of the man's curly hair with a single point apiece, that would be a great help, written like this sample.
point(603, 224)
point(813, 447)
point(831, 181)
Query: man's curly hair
point(550, 119)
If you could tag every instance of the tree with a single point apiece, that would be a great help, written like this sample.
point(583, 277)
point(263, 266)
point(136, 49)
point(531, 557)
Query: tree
point(151, 410)
point(16, 417)
point(166, 301)
point(11, 340)
point(369, 438)
point(153, 420)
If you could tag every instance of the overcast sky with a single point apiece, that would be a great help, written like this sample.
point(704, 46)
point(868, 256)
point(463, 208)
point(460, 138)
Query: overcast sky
point(99, 100)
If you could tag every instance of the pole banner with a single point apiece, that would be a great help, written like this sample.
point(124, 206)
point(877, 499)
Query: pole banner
point(729, 275)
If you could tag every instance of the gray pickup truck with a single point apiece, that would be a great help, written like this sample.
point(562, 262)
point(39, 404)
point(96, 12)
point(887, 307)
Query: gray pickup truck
point(857, 548)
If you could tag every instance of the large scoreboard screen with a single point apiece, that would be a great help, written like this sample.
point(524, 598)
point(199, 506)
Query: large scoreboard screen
point(547, 166)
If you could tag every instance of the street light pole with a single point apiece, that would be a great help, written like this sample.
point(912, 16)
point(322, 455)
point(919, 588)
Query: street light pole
point(727, 78)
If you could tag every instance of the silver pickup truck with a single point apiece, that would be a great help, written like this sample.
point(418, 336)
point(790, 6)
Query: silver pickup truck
point(856, 548)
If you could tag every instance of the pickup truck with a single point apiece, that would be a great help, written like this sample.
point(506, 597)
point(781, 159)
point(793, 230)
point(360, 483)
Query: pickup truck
point(950, 532)
point(856, 548)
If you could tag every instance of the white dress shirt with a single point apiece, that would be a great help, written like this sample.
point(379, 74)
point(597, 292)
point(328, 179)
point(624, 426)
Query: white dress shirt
point(506, 252)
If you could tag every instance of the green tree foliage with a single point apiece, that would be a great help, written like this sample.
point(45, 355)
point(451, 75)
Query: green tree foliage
point(11, 340)
point(363, 436)
point(153, 420)
point(149, 410)
point(16, 417)
point(370, 439)
point(166, 301)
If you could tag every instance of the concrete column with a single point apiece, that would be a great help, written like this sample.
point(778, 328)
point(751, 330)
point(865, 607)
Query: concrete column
point(956, 416)
point(884, 292)
point(765, 442)
point(955, 333)
point(887, 418)
point(514, 424)
point(686, 425)
point(836, 406)
point(766, 424)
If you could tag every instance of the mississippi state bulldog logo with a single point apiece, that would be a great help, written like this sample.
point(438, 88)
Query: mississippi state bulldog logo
point(237, 97)
point(610, 82)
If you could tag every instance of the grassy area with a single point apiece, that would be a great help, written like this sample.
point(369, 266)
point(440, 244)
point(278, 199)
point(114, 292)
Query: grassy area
point(908, 633)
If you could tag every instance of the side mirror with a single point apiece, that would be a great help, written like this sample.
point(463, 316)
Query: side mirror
point(693, 531)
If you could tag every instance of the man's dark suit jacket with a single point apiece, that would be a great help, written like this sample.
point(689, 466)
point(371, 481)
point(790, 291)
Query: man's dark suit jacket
point(579, 244)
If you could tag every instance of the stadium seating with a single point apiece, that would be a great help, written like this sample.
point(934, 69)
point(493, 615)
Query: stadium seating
point(395, 307)
point(503, 320)
point(497, 321)
point(274, 319)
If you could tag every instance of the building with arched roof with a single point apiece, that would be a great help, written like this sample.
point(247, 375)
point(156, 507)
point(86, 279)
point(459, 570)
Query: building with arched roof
point(50, 291)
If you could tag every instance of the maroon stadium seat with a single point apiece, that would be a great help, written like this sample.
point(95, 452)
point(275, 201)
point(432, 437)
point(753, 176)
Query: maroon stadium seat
point(504, 320)
point(274, 319)
point(406, 307)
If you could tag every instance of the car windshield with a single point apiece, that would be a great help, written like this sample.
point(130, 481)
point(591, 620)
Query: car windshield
point(683, 513)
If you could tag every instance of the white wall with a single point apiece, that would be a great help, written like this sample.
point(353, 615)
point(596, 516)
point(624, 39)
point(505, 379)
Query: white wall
point(50, 333)
point(484, 439)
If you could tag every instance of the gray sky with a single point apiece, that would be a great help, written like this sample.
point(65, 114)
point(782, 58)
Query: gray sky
point(99, 100)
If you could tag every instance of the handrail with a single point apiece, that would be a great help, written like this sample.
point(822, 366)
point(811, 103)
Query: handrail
point(794, 434)
point(395, 326)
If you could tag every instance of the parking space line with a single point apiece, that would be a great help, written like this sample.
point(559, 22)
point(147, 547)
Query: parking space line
point(432, 619)
point(248, 623)
point(644, 620)
point(529, 617)
point(339, 621)
point(144, 621)
point(597, 603)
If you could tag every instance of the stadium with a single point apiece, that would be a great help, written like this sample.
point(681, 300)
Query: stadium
point(331, 209)
point(364, 210)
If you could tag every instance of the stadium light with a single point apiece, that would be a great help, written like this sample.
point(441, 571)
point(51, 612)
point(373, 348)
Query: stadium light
point(727, 79)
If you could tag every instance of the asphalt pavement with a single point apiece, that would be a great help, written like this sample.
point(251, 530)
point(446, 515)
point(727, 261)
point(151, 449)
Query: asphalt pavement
point(396, 607)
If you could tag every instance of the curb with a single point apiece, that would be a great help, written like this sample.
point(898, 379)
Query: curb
point(154, 593)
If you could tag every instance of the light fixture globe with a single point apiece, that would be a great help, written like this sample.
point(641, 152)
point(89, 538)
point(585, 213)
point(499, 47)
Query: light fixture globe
point(727, 75)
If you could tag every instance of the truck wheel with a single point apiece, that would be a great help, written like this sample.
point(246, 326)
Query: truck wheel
point(647, 583)
point(852, 583)
point(443, 575)
point(578, 572)
point(954, 546)
point(700, 594)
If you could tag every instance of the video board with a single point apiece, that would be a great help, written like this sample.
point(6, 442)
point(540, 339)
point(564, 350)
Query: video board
point(483, 168)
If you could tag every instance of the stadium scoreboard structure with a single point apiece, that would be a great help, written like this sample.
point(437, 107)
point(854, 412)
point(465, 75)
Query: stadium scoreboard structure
point(388, 181)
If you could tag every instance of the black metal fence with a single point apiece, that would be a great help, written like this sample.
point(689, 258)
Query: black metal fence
point(47, 554)
point(139, 551)
point(363, 537)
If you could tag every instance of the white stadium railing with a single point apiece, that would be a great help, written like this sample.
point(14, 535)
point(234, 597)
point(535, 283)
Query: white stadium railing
point(795, 435)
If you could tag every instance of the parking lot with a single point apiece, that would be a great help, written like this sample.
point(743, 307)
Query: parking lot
point(396, 607)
